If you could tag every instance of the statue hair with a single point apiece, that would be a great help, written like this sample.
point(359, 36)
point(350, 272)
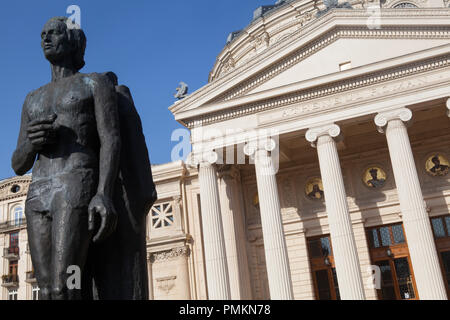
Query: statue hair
point(77, 39)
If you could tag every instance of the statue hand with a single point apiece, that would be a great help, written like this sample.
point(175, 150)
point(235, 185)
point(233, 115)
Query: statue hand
point(104, 207)
point(42, 132)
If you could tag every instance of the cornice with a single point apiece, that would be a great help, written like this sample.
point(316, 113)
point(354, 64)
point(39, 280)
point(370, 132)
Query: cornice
point(337, 21)
point(22, 181)
point(393, 73)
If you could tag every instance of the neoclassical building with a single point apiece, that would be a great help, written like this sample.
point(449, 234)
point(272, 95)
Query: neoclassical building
point(319, 165)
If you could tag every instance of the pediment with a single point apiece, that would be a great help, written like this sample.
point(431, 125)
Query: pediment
point(318, 50)
point(344, 54)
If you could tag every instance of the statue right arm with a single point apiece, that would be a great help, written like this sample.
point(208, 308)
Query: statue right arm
point(25, 154)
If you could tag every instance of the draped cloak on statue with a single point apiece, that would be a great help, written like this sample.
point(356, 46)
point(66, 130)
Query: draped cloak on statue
point(116, 268)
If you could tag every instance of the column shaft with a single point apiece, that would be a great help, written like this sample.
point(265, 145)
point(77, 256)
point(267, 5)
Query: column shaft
point(277, 261)
point(344, 247)
point(213, 237)
point(422, 249)
point(235, 239)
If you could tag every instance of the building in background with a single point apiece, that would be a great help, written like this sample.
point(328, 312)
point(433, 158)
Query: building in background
point(344, 191)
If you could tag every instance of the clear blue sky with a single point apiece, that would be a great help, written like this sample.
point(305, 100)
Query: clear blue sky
point(151, 45)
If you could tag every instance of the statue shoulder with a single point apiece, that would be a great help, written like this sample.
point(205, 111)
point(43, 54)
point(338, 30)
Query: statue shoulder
point(94, 80)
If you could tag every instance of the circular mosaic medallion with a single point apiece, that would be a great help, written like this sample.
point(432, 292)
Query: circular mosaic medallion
point(437, 165)
point(314, 189)
point(374, 177)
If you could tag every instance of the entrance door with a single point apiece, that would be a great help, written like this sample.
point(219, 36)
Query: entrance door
point(441, 231)
point(389, 251)
point(323, 268)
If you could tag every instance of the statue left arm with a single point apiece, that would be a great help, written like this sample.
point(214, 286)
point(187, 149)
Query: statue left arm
point(108, 128)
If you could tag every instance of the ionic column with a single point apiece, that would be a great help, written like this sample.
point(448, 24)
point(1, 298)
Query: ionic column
point(213, 236)
point(343, 241)
point(277, 262)
point(234, 229)
point(422, 249)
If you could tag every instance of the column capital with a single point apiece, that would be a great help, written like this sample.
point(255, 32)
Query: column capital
point(382, 119)
point(448, 107)
point(253, 146)
point(313, 134)
point(210, 157)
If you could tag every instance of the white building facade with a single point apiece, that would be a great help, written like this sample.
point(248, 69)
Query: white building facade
point(320, 164)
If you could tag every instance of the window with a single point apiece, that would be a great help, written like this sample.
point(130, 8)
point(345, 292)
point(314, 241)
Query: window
point(162, 215)
point(14, 240)
point(441, 226)
point(405, 5)
point(441, 231)
point(17, 215)
point(386, 236)
point(12, 294)
point(35, 292)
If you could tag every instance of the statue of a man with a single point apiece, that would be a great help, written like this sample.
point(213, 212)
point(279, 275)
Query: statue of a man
point(70, 135)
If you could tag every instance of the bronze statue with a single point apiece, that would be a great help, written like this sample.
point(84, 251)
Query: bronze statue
point(87, 202)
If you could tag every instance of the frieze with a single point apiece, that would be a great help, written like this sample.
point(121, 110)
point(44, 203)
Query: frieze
point(387, 32)
point(316, 104)
point(21, 182)
point(170, 254)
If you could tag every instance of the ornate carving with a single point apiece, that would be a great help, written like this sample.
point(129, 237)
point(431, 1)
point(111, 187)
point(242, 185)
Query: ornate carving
point(6, 192)
point(331, 89)
point(166, 284)
point(170, 254)
point(267, 144)
point(382, 119)
point(208, 157)
point(391, 32)
point(332, 130)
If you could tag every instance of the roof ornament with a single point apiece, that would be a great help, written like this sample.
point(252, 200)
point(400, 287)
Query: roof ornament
point(182, 91)
point(331, 4)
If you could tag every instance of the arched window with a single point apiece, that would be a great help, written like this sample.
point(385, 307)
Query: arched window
point(17, 215)
point(405, 5)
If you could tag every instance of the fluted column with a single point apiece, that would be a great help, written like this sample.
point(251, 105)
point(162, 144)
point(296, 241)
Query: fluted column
point(213, 236)
point(343, 241)
point(234, 229)
point(277, 262)
point(416, 221)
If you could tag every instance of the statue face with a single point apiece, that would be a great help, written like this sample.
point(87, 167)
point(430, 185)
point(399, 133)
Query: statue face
point(54, 41)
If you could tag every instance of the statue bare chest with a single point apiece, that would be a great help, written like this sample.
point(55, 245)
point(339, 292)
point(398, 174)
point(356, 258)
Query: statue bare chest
point(70, 99)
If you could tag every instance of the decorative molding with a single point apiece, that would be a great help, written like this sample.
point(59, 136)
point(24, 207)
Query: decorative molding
point(339, 32)
point(382, 119)
point(5, 188)
point(398, 72)
point(166, 284)
point(263, 143)
point(166, 255)
point(208, 157)
point(313, 134)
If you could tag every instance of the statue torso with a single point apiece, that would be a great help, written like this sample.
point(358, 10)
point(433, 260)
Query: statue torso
point(77, 145)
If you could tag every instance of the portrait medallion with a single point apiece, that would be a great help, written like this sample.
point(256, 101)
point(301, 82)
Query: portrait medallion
point(314, 189)
point(437, 165)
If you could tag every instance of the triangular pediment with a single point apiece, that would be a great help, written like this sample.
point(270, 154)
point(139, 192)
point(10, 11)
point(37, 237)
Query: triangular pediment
point(329, 46)
point(345, 54)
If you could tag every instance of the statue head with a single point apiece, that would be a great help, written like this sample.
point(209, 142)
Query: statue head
point(374, 173)
point(60, 42)
point(436, 160)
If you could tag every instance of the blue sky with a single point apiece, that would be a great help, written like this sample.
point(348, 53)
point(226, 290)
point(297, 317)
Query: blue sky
point(151, 45)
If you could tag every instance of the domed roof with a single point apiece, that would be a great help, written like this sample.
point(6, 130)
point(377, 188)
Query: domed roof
point(259, 13)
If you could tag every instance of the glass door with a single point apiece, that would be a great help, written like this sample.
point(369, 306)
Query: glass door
point(323, 269)
point(389, 251)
